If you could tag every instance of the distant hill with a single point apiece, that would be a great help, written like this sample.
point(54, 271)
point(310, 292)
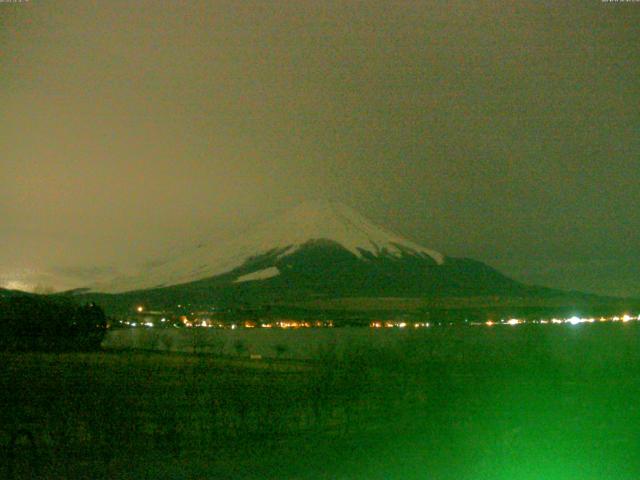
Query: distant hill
point(4, 293)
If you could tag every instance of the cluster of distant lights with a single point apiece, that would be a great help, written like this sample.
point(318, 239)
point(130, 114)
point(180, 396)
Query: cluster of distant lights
point(141, 324)
point(233, 326)
point(251, 324)
point(575, 320)
point(208, 323)
point(394, 324)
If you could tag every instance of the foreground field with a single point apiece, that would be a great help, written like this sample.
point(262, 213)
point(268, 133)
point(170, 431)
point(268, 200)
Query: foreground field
point(452, 403)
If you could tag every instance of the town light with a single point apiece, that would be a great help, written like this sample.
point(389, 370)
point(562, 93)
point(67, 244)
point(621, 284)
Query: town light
point(574, 320)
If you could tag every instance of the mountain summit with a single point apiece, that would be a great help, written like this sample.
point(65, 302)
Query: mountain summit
point(341, 224)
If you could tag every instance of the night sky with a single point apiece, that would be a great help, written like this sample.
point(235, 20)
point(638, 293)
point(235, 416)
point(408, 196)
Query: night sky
point(504, 131)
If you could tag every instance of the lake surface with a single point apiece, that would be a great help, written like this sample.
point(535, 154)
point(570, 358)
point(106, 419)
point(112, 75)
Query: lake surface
point(561, 343)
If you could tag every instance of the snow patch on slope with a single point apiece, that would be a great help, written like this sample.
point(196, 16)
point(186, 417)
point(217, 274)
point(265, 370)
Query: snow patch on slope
point(259, 275)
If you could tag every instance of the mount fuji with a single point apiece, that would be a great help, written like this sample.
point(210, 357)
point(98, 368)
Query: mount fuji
point(317, 249)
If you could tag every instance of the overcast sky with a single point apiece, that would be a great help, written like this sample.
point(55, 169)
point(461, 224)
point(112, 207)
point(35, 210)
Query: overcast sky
point(504, 131)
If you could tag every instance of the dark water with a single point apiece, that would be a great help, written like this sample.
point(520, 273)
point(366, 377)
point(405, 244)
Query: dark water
point(561, 343)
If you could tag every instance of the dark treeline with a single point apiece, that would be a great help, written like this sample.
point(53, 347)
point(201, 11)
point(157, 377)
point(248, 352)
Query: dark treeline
point(30, 322)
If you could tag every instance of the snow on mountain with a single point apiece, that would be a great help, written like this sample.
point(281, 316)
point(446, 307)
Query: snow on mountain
point(285, 234)
point(259, 275)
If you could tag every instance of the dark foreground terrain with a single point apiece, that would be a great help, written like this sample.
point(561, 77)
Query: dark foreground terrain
point(526, 402)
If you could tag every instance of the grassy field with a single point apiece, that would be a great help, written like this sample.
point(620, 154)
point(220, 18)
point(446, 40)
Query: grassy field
point(530, 402)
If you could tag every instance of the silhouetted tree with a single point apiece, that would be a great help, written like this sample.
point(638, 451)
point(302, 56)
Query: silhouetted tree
point(280, 349)
point(240, 347)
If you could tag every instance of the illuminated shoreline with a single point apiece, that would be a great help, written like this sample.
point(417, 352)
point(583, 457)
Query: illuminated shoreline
point(184, 322)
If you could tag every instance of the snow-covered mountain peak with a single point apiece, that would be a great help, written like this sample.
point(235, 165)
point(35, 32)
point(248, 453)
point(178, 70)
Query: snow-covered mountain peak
point(287, 232)
point(342, 224)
